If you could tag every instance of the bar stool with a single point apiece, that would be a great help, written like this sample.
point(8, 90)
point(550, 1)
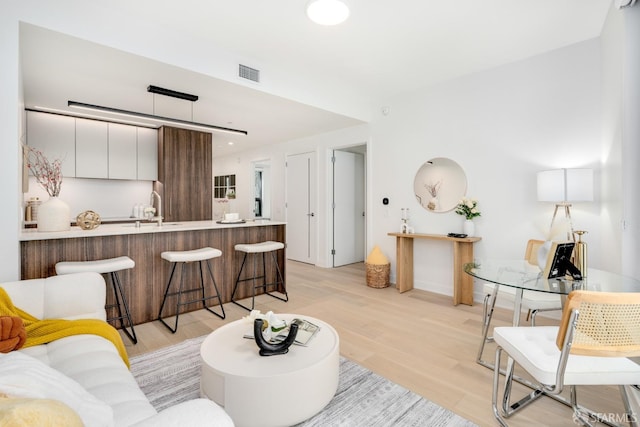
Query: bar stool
point(109, 266)
point(183, 257)
point(255, 249)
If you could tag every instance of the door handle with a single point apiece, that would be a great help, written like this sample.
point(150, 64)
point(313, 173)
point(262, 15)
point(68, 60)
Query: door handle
point(311, 214)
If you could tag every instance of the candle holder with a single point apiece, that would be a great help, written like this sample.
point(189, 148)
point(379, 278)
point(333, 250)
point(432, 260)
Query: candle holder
point(405, 228)
point(580, 253)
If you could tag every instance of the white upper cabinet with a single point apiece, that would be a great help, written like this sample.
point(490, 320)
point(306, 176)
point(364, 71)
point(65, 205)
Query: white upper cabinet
point(55, 136)
point(122, 151)
point(91, 149)
point(147, 154)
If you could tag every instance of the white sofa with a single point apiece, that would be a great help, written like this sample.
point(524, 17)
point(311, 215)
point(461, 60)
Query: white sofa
point(90, 360)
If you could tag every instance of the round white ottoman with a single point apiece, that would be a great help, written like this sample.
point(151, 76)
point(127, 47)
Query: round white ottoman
point(269, 391)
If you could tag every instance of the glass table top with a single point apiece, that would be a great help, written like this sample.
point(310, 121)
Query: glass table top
point(523, 275)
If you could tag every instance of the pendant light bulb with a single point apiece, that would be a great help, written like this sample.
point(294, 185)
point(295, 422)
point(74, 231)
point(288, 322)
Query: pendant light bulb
point(327, 12)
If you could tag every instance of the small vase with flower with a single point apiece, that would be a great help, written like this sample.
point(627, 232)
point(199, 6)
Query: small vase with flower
point(469, 209)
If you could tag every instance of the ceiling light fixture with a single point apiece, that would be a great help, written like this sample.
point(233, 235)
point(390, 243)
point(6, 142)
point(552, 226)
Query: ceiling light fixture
point(327, 12)
point(160, 119)
point(172, 93)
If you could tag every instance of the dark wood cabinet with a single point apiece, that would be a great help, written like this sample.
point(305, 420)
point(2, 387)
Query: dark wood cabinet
point(184, 174)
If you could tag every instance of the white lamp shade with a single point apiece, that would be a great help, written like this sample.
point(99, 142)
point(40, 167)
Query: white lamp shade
point(579, 185)
point(565, 185)
point(327, 12)
point(551, 186)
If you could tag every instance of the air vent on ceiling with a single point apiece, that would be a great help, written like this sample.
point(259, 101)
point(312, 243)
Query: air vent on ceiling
point(249, 73)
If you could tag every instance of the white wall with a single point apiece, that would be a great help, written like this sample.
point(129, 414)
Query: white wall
point(11, 119)
point(611, 210)
point(241, 165)
point(111, 199)
point(631, 140)
point(502, 126)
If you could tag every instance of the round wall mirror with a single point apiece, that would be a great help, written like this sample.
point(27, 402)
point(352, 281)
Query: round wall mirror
point(440, 184)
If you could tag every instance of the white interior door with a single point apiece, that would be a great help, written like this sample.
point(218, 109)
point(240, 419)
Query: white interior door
point(301, 207)
point(348, 208)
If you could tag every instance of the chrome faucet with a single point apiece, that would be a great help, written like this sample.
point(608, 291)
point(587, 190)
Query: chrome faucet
point(158, 217)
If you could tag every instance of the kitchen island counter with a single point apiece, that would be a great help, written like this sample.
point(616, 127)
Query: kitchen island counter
point(145, 227)
point(145, 283)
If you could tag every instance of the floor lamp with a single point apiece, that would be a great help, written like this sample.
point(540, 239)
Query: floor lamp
point(564, 186)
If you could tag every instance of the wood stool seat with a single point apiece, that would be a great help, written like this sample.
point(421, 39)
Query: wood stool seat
point(255, 249)
point(183, 257)
point(109, 266)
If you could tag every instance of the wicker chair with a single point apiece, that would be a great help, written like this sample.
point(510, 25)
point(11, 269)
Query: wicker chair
point(599, 331)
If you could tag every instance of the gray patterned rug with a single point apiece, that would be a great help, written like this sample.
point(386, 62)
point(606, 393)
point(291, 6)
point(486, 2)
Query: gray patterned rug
point(172, 375)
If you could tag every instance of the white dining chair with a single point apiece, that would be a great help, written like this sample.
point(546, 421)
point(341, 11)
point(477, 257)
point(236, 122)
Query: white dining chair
point(598, 334)
point(533, 301)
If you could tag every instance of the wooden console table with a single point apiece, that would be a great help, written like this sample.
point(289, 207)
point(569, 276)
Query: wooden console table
point(462, 254)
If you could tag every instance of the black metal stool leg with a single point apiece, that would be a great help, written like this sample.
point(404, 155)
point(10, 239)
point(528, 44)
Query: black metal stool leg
point(164, 300)
point(235, 288)
point(201, 289)
point(117, 289)
point(279, 280)
point(217, 295)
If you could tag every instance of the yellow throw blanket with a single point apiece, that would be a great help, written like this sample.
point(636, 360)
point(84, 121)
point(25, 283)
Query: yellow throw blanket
point(45, 331)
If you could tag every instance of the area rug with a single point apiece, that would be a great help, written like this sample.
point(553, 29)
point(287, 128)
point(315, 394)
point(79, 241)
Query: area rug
point(172, 375)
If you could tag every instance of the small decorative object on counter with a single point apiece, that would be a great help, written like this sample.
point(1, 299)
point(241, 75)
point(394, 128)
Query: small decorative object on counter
point(149, 212)
point(405, 227)
point(31, 210)
point(469, 209)
point(378, 269)
point(580, 253)
point(54, 214)
point(88, 220)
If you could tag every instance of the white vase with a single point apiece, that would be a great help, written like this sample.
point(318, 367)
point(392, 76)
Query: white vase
point(468, 228)
point(54, 215)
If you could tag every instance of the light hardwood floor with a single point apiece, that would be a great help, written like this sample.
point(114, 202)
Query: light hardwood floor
point(417, 339)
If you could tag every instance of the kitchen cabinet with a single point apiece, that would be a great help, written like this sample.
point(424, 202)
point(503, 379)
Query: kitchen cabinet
point(93, 148)
point(184, 172)
point(92, 139)
point(122, 145)
point(55, 136)
point(147, 154)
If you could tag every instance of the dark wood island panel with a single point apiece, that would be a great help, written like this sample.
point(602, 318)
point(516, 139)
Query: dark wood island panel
point(145, 284)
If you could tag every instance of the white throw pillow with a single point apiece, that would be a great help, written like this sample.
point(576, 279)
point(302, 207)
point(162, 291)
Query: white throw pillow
point(24, 376)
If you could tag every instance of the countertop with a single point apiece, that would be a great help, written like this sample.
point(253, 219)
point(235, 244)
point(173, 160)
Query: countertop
point(145, 227)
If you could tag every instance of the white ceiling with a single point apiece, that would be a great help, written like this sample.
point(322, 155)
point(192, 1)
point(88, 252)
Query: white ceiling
point(385, 48)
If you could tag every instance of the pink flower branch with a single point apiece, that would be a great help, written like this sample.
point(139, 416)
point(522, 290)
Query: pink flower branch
point(48, 174)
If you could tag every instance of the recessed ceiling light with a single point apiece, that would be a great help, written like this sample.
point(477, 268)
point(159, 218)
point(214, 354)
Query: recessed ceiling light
point(230, 143)
point(327, 12)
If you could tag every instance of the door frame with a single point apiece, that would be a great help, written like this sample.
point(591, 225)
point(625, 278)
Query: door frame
point(314, 186)
point(363, 148)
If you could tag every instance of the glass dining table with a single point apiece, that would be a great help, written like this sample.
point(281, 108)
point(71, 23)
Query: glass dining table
point(523, 276)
